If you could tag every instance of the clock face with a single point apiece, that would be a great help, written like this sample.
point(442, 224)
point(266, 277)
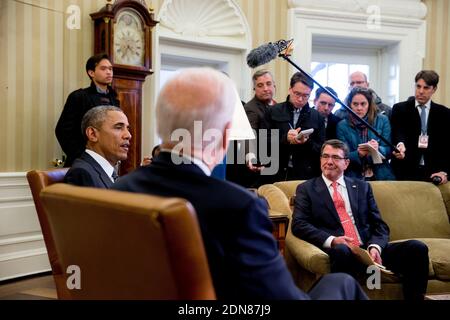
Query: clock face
point(129, 43)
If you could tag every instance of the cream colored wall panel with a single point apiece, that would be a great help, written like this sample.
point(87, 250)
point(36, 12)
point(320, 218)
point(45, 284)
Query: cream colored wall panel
point(10, 113)
point(438, 46)
point(23, 263)
point(12, 245)
point(22, 249)
point(4, 77)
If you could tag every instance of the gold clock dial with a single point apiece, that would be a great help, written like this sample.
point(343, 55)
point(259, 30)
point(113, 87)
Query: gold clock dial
point(129, 40)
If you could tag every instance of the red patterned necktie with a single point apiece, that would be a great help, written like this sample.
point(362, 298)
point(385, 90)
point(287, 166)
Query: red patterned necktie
point(346, 221)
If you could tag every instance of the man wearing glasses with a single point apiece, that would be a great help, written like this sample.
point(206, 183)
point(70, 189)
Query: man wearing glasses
point(334, 213)
point(299, 153)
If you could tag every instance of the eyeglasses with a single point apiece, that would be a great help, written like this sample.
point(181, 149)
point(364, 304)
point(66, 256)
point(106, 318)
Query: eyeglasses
point(299, 95)
point(333, 157)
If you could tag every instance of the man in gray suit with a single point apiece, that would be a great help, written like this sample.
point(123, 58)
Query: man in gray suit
point(107, 135)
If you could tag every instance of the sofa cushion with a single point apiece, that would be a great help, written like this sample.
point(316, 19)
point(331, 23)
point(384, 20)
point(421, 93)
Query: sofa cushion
point(439, 254)
point(412, 209)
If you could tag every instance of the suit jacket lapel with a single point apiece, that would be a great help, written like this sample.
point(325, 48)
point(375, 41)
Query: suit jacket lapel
point(352, 190)
point(322, 189)
point(101, 173)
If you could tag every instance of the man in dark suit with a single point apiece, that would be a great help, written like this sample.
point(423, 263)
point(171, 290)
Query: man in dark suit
point(298, 156)
point(100, 71)
point(324, 103)
point(108, 141)
point(237, 233)
point(334, 212)
point(258, 150)
point(419, 128)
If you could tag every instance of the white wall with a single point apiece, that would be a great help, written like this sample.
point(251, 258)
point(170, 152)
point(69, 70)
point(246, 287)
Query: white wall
point(22, 249)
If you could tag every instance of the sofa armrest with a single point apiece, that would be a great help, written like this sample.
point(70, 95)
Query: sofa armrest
point(276, 199)
point(445, 191)
point(307, 255)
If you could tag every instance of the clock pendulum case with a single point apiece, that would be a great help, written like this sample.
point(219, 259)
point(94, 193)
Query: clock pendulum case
point(123, 30)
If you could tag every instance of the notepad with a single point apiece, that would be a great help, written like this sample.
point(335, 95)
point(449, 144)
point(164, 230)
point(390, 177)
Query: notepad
point(305, 133)
point(377, 157)
point(364, 256)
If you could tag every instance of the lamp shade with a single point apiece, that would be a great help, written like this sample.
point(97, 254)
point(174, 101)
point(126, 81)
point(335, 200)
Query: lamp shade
point(240, 126)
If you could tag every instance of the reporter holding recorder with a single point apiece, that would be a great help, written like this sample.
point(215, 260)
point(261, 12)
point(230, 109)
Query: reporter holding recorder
point(360, 140)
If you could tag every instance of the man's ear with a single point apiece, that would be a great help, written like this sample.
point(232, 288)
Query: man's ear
point(91, 73)
point(347, 162)
point(91, 134)
point(226, 136)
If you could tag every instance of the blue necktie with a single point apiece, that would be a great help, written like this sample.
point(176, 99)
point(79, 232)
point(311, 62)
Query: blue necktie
point(423, 119)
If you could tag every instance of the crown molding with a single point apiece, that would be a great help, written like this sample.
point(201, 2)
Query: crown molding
point(409, 9)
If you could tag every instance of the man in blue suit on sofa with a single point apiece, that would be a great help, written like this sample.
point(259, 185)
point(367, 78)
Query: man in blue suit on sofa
point(334, 212)
point(194, 112)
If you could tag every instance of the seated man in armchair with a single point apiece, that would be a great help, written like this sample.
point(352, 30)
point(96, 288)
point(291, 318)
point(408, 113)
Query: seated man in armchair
point(334, 212)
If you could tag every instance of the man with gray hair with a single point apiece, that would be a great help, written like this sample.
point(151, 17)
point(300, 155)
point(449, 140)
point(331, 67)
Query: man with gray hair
point(107, 135)
point(194, 112)
point(257, 112)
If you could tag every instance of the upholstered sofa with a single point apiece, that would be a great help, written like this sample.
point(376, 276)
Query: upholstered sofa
point(413, 210)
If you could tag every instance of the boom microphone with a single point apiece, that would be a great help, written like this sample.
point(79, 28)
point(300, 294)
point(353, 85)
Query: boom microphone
point(266, 53)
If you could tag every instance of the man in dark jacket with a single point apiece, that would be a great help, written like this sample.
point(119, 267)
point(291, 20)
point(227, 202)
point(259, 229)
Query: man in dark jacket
point(419, 129)
point(258, 150)
point(337, 213)
point(324, 103)
point(100, 92)
point(108, 139)
point(299, 155)
point(242, 253)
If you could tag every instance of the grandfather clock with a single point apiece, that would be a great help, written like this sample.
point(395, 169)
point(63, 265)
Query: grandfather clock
point(123, 30)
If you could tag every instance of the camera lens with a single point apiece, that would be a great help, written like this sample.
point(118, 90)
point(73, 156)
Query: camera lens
point(436, 180)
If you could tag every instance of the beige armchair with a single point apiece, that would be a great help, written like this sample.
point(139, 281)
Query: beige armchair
point(126, 245)
point(413, 210)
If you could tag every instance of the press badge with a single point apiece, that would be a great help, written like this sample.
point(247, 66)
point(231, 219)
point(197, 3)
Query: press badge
point(423, 141)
